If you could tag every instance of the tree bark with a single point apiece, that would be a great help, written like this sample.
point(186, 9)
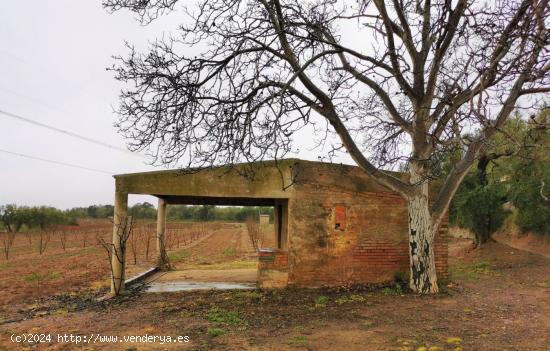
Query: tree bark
point(423, 277)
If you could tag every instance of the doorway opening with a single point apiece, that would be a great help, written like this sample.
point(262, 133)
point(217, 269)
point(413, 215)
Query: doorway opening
point(215, 243)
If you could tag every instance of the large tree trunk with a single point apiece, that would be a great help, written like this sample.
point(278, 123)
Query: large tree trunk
point(423, 277)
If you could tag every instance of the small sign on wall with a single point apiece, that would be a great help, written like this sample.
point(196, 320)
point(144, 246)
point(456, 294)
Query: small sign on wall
point(340, 217)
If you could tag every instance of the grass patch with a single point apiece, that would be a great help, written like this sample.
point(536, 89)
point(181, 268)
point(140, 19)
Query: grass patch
point(5, 266)
point(221, 316)
point(34, 276)
point(178, 255)
point(350, 299)
point(393, 290)
point(215, 332)
point(472, 271)
point(321, 301)
point(297, 341)
point(229, 251)
point(54, 275)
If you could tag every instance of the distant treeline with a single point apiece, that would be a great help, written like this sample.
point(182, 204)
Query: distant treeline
point(15, 218)
point(146, 210)
point(214, 213)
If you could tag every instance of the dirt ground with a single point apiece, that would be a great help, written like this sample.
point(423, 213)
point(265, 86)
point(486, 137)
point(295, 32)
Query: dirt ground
point(29, 274)
point(224, 256)
point(497, 298)
point(82, 266)
point(528, 242)
point(220, 249)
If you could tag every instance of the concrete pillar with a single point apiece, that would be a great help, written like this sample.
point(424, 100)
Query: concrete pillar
point(162, 258)
point(120, 230)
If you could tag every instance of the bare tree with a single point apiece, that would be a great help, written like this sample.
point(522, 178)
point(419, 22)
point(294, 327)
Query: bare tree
point(117, 250)
point(44, 237)
point(147, 235)
point(388, 82)
point(29, 237)
point(63, 239)
point(84, 237)
point(254, 232)
point(7, 239)
point(134, 239)
point(170, 238)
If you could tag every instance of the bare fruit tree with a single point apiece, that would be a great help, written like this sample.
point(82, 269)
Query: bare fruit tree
point(390, 83)
point(117, 250)
point(63, 239)
point(84, 237)
point(7, 240)
point(254, 232)
point(44, 237)
point(146, 237)
point(134, 239)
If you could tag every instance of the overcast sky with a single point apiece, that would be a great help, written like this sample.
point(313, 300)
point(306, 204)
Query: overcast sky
point(53, 56)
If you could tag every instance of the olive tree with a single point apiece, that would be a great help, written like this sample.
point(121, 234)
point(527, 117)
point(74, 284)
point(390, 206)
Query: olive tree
point(388, 82)
point(13, 217)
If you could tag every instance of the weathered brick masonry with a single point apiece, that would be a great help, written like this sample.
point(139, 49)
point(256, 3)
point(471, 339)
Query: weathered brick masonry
point(333, 223)
point(371, 246)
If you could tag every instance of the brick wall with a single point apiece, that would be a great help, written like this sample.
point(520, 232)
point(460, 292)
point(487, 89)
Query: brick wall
point(370, 247)
point(272, 268)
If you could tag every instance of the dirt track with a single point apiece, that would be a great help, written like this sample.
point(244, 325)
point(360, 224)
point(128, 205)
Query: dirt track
point(225, 245)
point(224, 255)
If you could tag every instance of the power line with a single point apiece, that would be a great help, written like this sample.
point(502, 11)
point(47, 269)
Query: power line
point(56, 162)
point(66, 132)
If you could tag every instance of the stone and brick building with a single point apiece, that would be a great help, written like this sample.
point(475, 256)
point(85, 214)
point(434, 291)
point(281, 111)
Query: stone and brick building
point(334, 224)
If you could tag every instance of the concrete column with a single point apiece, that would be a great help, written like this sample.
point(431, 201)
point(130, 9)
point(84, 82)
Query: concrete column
point(120, 230)
point(162, 258)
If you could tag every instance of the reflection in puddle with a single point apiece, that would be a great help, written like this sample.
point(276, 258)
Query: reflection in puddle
point(185, 286)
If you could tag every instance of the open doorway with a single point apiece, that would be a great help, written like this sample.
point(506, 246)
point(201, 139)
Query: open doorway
point(213, 245)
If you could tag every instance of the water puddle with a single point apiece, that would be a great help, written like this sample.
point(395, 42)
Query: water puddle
point(187, 286)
